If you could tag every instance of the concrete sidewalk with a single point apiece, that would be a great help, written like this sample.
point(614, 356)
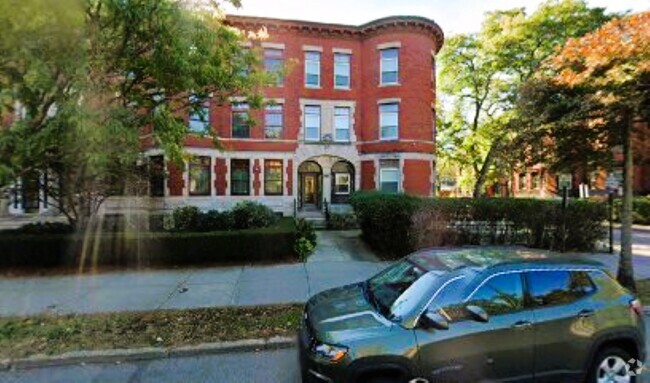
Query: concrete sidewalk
point(340, 258)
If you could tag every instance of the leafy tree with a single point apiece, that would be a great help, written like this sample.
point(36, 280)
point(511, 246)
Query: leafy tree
point(584, 102)
point(481, 75)
point(90, 74)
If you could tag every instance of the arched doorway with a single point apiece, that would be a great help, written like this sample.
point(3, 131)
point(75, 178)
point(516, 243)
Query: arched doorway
point(310, 181)
point(342, 181)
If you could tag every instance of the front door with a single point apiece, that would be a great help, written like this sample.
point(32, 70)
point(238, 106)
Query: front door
point(500, 349)
point(310, 189)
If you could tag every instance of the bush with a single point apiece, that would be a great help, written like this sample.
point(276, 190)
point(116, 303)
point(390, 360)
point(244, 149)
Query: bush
point(276, 243)
point(43, 228)
point(249, 215)
point(641, 213)
point(186, 218)
point(214, 220)
point(395, 224)
point(339, 221)
point(303, 249)
point(304, 229)
point(385, 221)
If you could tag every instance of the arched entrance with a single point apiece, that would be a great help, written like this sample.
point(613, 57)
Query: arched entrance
point(342, 181)
point(310, 185)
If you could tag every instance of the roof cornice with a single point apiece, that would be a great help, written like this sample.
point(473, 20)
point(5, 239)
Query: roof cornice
point(417, 23)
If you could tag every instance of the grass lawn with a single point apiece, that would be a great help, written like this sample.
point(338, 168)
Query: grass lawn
point(52, 334)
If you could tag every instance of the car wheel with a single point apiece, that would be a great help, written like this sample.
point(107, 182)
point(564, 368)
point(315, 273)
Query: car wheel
point(612, 365)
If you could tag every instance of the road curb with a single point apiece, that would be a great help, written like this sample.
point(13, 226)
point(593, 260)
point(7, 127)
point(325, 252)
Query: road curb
point(148, 353)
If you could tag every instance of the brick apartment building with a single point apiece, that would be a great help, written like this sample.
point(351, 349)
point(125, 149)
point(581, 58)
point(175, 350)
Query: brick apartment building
point(354, 112)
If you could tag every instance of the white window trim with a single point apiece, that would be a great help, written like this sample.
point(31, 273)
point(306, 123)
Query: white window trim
point(381, 68)
point(312, 48)
point(392, 138)
point(273, 45)
point(349, 123)
point(320, 58)
point(399, 177)
point(389, 45)
point(349, 86)
point(320, 123)
point(349, 183)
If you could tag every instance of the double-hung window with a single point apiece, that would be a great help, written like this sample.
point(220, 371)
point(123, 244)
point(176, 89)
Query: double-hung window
point(389, 176)
point(342, 70)
point(342, 124)
point(312, 69)
point(272, 177)
point(389, 66)
point(199, 175)
point(273, 121)
point(240, 121)
point(389, 121)
point(274, 63)
point(312, 123)
point(199, 119)
point(239, 177)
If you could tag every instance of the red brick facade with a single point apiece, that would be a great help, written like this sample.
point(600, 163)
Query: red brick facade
point(364, 150)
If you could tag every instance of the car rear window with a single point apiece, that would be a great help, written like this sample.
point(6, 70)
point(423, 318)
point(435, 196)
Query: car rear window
point(556, 287)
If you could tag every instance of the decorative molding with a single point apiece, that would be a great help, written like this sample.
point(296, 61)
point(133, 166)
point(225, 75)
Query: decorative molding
point(312, 48)
point(389, 100)
point(273, 45)
point(388, 45)
point(342, 50)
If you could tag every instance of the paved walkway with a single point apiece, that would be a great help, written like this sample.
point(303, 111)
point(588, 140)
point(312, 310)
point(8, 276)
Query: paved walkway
point(340, 258)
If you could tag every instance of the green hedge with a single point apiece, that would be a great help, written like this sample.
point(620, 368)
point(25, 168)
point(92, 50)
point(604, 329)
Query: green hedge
point(641, 214)
point(270, 244)
point(397, 224)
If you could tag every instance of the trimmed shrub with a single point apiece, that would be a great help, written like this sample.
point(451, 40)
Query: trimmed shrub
point(342, 221)
point(305, 229)
point(186, 218)
point(270, 244)
point(641, 210)
point(249, 215)
point(214, 220)
point(395, 224)
point(303, 248)
point(42, 228)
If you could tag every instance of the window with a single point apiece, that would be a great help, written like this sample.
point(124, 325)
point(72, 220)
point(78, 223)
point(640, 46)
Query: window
point(389, 121)
point(312, 123)
point(240, 177)
point(157, 176)
point(273, 177)
point(556, 287)
point(342, 124)
point(535, 180)
point(199, 176)
point(522, 181)
point(389, 66)
point(342, 70)
point(273, 121)
point(199, 116)
point(501, 294)
point(389, 176)
point(312, 69)
point(240, 121)
point(274, 63)
point(342, 183)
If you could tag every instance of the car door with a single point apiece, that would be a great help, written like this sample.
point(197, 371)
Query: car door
point(563, 322)
point(500, 349)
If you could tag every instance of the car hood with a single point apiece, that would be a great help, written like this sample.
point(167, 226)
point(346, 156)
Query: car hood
point(343, 313)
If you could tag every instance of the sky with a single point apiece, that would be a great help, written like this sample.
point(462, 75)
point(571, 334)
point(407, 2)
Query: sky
point(454, 16)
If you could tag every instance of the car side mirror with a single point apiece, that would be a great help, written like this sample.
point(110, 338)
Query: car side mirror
point(432, 319)
point(477, 313)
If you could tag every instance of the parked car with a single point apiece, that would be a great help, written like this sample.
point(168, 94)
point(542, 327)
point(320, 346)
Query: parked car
point(470, 315)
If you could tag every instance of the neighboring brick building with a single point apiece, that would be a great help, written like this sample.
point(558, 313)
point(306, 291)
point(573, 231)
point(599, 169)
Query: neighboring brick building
point(355, 111)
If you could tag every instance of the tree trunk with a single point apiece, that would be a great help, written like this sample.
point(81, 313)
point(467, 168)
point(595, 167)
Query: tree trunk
point(625, 267)
point(482, 174)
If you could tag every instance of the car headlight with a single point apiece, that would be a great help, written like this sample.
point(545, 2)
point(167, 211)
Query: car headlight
point(330, 352)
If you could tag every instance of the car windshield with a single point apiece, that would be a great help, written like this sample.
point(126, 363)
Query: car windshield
point(385, 288)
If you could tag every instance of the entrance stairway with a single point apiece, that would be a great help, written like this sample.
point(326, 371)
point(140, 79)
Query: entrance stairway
point(314, 215)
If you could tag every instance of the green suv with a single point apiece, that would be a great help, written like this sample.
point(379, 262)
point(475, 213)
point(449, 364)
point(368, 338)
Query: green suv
point(469, 315)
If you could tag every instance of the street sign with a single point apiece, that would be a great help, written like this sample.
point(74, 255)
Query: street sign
point(564, 180)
